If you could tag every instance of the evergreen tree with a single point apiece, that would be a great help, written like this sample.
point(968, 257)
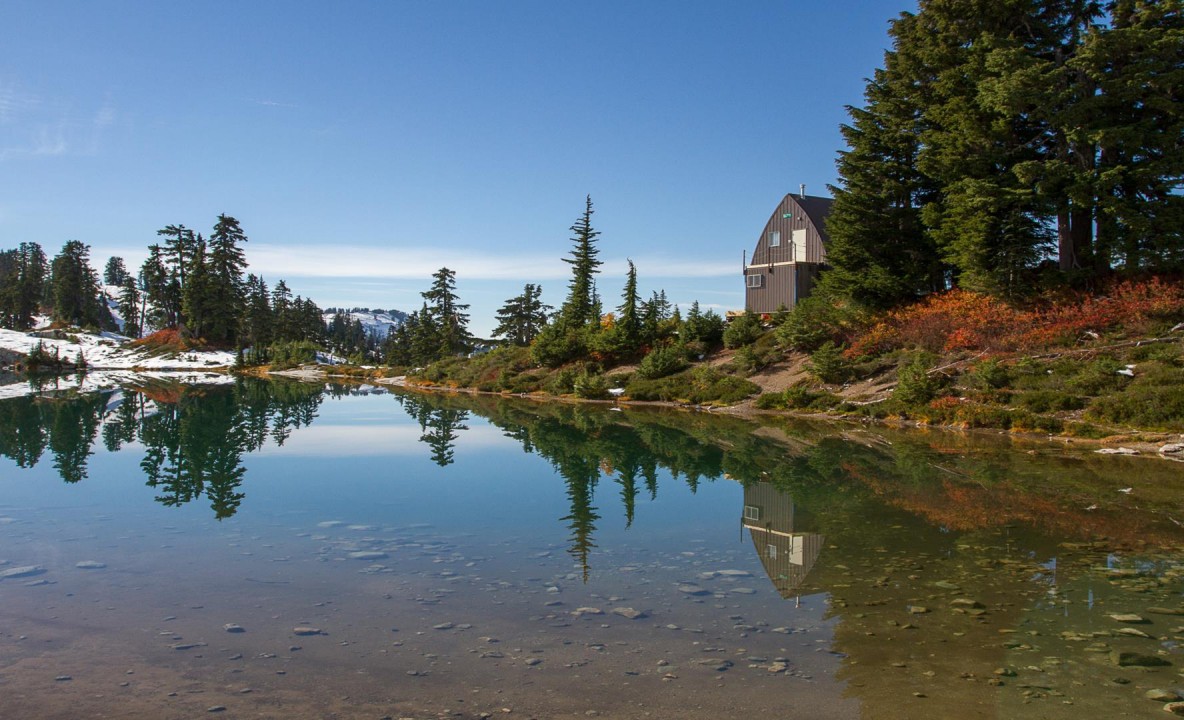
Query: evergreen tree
point(706, 328)
point(22, 285)
point(880, 252)
point(115, 272)
point(227, 289)
point(447, 315)
point(74, 286)
point(196, 294)
point(580, 308)
point(998, 134)
point(129, 307)
point(1133, 117)
point(177, 253)
point(284, 325)
point(259, 320)
point(523, 317)
point(159, 290)
point(624, 338)
point(578, 319)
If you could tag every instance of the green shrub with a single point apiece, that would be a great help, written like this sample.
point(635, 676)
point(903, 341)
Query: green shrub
point(286, 355)
point(989, 375)
point(1099, 377)
point(590, 386)
point(1147, 407)
point(770, 401)
point(700, 386)
point(662, 361)
point(743, 330)
point(709, 385)
point(1043, 401)
point(562, 382)
point(915, 386)
point(667, 389)
point(808, 325)
point(556, 345)
point(828, 364)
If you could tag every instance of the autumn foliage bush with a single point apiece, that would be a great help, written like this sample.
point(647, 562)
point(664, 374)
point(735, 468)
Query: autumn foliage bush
point(963, 320)
point(167, 340)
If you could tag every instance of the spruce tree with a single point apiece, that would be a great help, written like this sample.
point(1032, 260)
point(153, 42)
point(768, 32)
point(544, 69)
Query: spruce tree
point(227, 290)
point(74, 286)
point(196, 295)
point(258, 321)
point(159, 290)
point(115, 272)
point(447, 315)
point(580, 308)
point(628, 323)
point(129, 307)
point(22, 285)
point(522, 317)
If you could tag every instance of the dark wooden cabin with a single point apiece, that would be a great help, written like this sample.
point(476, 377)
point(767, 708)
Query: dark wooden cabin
point(788, 255)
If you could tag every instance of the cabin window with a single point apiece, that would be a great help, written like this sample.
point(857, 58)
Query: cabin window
point(774, 238)
point(771, 552)
point(756, 281)
point(799, 245)
point(752, 512)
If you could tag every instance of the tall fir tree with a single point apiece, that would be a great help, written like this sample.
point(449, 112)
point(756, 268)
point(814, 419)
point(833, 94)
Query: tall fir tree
point(580, 309)
point(227, 289)
point(129, 307)
point(22, 285)
point(74, 286)
point(522, 317)
point(115, 272)
point(447, 314)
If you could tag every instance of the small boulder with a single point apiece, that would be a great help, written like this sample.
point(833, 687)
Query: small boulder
point(1133, 659)
point(628, 613)
point(1161, 695)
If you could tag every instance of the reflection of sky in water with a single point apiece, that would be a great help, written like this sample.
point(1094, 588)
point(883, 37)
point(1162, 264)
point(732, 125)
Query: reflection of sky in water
point(904, 575)
point(361, 461)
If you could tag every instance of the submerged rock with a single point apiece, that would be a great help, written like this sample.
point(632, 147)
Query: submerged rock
point(1160, 695)
point(1133, 659)
point(628, 613)
point(368, 555)
point(1128, 618)
point(22, 571)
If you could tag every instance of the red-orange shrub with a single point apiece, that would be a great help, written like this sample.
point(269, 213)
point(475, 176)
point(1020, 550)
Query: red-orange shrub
point(963, 320)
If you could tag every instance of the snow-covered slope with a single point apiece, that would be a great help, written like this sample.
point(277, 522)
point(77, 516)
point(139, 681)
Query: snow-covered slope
point(377, 324)
point(107, 351)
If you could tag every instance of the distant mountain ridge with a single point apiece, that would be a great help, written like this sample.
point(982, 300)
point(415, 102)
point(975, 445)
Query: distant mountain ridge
point(378, 322)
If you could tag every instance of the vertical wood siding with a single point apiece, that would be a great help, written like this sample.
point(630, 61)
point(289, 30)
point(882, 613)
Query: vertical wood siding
point(784, 285)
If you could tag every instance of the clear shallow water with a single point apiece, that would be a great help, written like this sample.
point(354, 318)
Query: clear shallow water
point(462, 556)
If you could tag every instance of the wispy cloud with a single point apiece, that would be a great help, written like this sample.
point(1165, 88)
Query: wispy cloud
point(273, 103)
point(34, 128)
point(372, 440)
point(418, 263)
point(14, 101)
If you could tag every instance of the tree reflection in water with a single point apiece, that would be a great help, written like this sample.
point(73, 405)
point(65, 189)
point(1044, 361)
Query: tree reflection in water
point(194, 438)
point(917, 542)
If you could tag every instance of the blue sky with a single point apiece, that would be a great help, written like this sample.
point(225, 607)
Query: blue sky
point(363, 145)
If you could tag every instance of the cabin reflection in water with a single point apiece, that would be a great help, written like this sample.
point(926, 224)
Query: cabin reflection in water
point(786, 555)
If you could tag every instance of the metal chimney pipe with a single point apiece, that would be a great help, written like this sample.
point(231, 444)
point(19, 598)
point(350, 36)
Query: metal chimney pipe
point(802, 190)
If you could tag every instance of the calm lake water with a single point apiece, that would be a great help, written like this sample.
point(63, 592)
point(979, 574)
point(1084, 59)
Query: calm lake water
point(293, 551)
